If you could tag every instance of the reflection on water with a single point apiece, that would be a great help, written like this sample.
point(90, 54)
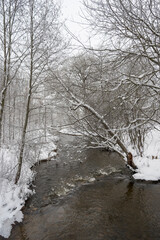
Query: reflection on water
point(72, 168)
point(98, 204)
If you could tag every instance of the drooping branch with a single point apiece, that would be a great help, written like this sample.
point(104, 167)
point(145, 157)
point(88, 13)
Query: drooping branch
point(76, 101)
point(96, 114)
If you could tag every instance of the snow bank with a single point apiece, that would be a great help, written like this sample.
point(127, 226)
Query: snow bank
point(13, 197)
point(152, 144)
point(49, 147)
point(48, 150)
point(8, 162)
point(149, 164)
point(148, 169)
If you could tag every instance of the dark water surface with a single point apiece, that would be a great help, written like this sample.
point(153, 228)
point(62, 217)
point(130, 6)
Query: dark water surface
point(89, 195)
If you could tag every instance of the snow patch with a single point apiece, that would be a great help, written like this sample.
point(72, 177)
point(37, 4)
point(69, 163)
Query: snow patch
point(49, 148)
point(152, 144)
point(149, 164)
point(148, 169)
point(11, 202)
point(13, 196)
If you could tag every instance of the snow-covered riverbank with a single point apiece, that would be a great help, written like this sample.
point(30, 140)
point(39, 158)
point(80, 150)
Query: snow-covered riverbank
point(149, 164)
point(12, 196)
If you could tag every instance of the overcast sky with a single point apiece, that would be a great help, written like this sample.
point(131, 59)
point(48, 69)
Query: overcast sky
point(71, 7)
point(71, 10)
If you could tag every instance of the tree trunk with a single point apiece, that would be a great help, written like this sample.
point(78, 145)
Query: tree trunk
point(2, 105)
point(111, 133)
point(20, 160)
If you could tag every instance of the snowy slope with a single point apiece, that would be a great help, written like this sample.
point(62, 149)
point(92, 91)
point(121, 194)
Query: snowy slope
point(13, 197)
point(149, 164)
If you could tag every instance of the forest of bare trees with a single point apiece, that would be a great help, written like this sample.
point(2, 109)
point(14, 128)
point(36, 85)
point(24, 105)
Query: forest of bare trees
point(110, 94)
point(31, 43)
point(113, 91)
point(79, 119)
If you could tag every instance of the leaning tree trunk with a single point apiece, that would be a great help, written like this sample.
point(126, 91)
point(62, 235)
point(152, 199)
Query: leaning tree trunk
point(111, 133)
point(4, 88)
point(2, 105)
point(20, 160)
point(129, 155)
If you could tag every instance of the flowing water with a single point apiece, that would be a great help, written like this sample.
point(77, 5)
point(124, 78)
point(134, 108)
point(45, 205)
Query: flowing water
point(89, 195)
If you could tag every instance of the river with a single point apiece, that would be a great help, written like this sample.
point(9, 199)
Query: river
point(89, 195)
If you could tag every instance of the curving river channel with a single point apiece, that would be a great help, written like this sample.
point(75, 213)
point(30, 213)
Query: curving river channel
point(89, 195)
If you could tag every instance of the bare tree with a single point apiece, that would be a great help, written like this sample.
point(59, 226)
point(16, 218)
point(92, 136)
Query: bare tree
point(107, 136)
point(130, 33)
point(10, 32)
point(130, 30)
point(103, 105)
point(44, 43)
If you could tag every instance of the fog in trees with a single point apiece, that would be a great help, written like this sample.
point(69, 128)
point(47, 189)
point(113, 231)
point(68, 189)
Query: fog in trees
point(108, 93)
point(120, 79)
point(117, 82)
point(31, 43)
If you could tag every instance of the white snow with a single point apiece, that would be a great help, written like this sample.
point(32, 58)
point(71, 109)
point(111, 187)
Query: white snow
point(148, 169)
point(152, 144)
point(11, 202)
point(13, 197)
point(48, 150)
point(149, 164)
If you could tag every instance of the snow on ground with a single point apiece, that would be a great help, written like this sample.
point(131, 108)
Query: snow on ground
point(11, 202)
point(149, 164)
point(148, 169)
point(49, 148)
point(13, 197)
point(152, 144)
